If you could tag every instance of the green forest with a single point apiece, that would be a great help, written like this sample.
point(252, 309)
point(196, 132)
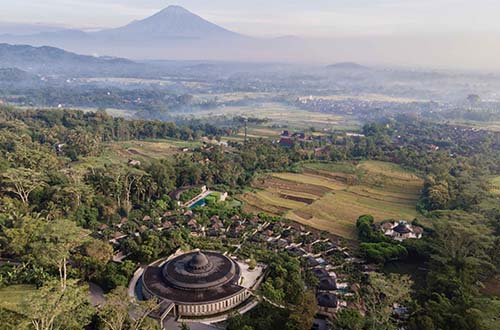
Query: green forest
point(57, 205)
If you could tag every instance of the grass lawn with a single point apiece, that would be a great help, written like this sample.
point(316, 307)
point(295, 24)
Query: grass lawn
point(331, 196)
point(12, 296)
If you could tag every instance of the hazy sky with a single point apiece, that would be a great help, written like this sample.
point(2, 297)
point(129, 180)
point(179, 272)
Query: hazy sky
point(321, 18)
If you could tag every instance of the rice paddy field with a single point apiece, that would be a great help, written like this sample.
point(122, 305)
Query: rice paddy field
point(280, 116)
point(370, 97)
point(331, 196)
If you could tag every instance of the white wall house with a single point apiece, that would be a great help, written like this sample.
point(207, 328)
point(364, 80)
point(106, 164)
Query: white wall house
point(401, 230)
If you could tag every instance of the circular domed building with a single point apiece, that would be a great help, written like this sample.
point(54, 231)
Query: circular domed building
point(196, 283)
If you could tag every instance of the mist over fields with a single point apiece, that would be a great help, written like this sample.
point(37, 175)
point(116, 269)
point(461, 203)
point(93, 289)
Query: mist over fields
point(176, 33)
point(268, 165)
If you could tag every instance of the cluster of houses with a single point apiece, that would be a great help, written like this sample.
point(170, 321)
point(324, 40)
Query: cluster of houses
point(364, 108)
point(235, 227)
point(288, 139)
point(322, 256)
point(315, 250)
point(317, 253)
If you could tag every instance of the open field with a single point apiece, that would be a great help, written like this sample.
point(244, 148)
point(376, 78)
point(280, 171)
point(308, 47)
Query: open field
point(493, 125)
point(11, 297)
point(234, 97)
point(371, 97)
point(150, 149)
point(282, 116)
point(331, 196)
point(144, 151)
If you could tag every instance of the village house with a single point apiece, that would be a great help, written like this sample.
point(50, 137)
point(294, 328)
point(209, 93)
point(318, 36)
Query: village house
point(327, 303)
point(216, 224)
point(288, 139)
point(117, 236)
point(279, 244)
point(166, 225)
point(401, 230)
point(193, 225)
point(236, 229)
point(311, 262)
point(327, 283)
point(296, 252)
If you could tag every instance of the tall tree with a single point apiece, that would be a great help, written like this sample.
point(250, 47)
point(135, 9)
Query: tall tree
point(45, 243)
point(382, 293)
point(348, 319)
point(22, 182)
point(52, 307)
point(119, 312)
point(302, 316)
point(55, 243)
point(461, 252)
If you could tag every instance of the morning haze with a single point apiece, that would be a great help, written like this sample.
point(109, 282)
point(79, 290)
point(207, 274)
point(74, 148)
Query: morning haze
point(249, 165)
point(441, 33)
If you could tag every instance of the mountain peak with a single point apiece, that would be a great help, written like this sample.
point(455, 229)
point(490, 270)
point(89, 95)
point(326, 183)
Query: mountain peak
point(171, 22)
point(347, 66)
point(175, 9)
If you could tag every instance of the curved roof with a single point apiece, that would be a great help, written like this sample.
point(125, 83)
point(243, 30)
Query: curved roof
point(387, 225)
point(320, 272)
point(327, 283)
point(402, 228)
point(194, 277)
point(417, 230)
point(199, 263)
point(199, 271)
point(328, 300)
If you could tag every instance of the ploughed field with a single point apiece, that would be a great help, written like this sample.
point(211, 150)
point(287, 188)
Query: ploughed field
point(331, 196)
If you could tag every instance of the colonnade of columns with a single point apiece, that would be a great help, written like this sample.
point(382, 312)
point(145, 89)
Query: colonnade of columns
point(215, 307)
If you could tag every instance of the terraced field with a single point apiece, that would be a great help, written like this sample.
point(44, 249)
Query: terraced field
point(332, 196)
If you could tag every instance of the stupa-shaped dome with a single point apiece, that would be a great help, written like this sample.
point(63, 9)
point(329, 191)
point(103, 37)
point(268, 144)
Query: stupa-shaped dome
point(199, 263)
point(200, 270)
point(197, 283)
